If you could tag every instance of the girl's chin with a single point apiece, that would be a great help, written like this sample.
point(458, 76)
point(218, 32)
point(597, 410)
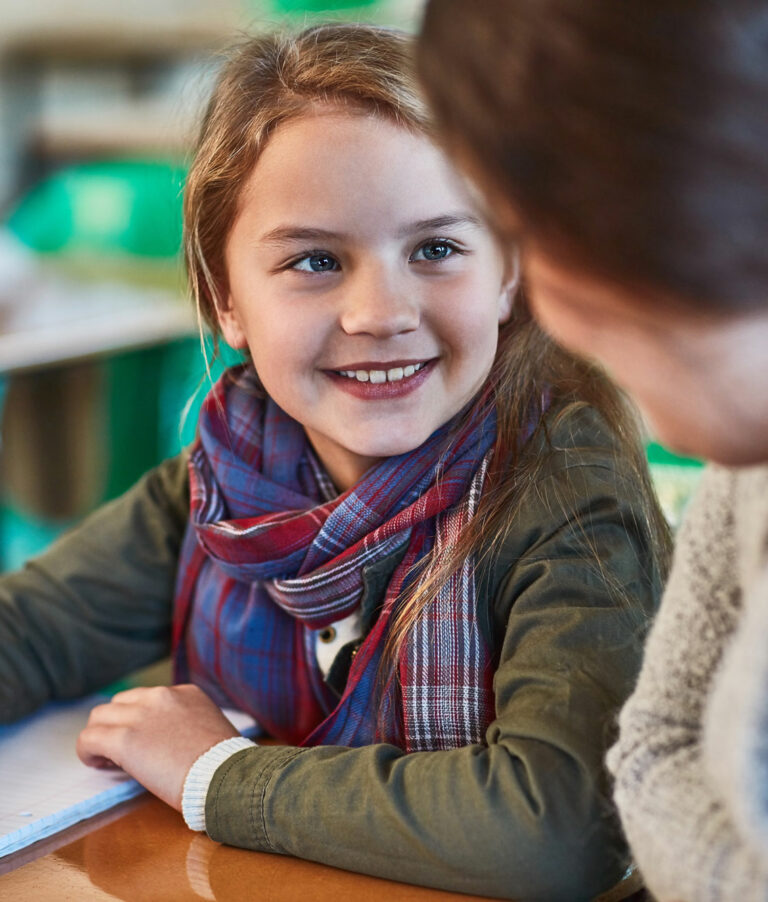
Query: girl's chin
point(375, 453)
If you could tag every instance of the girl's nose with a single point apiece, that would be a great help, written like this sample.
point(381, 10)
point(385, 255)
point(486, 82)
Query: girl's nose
point(379, 305)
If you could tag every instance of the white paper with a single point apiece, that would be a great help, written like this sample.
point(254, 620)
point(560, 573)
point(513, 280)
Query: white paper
point(44, 787)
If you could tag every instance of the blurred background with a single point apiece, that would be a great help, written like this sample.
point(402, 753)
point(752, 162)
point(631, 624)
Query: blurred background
point(101, 368)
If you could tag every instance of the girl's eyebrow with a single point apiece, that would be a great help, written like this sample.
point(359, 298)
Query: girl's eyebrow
point(437, 223)
point(286, 234)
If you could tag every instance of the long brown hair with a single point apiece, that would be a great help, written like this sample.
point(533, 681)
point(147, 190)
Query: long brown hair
point(275, 77)
point(629, 138)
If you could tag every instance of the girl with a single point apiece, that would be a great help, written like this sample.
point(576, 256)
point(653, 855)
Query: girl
point(419, 546)
point(628, 145)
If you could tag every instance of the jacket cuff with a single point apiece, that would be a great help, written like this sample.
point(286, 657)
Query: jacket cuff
point(237, 794)
point(199, 778)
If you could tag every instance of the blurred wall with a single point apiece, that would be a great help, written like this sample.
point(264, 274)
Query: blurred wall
point(84, 77)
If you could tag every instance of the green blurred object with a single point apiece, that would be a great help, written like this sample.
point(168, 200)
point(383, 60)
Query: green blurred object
point(101, 221)
point(675, 479)
point(319, 6)
point(23, 536)
point(151, 405)
point(658, 454)
point(104, 207)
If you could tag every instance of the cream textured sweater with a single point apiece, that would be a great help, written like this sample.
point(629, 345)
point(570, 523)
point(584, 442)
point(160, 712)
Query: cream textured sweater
point(691, 763)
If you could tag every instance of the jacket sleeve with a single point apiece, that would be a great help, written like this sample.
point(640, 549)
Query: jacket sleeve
point(98, 603)
point(526, 814)
point(674, 795)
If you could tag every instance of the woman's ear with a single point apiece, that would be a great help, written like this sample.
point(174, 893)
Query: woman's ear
point(510, 285)
point(230, 325)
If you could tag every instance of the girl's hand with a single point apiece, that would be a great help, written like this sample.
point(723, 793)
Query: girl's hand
point(155, 735)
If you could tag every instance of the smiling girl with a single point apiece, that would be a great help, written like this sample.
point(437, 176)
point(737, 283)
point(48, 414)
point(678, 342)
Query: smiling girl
point(413, 539)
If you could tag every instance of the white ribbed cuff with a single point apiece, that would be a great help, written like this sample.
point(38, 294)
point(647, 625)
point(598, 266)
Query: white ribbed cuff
point(199, 778)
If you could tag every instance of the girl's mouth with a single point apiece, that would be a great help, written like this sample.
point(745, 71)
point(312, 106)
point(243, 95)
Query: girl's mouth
point(375, 383)
point(395, 374)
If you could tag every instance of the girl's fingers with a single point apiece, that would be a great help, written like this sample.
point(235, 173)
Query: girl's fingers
point(154, 734)
point(102, 763)
point(112, 713)
point(141, 693)
point(144, 695)
point(129, 695)
point(97, 746)
point(158, 695)
point(133, 702)
point(103, 741)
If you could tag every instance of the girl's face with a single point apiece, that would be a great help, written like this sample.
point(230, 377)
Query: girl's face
point(364, 284)
point(701, 379)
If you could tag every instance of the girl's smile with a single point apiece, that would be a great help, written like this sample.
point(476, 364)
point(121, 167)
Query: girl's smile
point(364, 284)
point(383, 380)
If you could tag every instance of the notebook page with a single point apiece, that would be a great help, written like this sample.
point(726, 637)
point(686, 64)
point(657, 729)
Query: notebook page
point(44, 787)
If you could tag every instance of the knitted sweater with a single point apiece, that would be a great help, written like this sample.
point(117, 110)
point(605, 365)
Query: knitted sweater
point(691, 763)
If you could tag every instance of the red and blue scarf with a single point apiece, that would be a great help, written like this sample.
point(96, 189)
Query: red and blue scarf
point(272, 555)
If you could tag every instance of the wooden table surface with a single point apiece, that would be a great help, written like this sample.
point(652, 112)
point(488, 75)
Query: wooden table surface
point(143, 852)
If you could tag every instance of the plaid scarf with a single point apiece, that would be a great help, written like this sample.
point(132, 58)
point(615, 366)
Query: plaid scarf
point(271, 556)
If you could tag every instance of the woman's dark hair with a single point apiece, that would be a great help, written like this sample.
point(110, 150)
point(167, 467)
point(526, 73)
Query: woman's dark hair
point(630, 138)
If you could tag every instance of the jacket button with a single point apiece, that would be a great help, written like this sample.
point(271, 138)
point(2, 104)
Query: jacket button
point(328, 634)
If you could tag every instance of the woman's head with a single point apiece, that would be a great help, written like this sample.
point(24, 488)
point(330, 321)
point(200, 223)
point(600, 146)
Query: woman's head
point(629, 139)
point(329, 236)
point(625, 144)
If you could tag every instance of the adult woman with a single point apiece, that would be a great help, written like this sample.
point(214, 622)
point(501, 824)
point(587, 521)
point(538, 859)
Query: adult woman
point(625, 144)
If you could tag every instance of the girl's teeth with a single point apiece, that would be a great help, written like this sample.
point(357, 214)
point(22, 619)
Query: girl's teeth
point(378, 376)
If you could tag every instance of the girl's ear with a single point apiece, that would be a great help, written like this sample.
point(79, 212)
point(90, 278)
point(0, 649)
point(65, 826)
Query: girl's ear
point(509, 286)
point(230, 325)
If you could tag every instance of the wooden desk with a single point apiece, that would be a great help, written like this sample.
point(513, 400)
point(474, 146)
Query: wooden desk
point(143, 852)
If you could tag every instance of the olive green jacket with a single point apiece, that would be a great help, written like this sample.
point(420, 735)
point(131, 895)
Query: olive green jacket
point(525, 815)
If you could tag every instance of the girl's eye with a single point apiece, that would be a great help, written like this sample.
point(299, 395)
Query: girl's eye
point(434, 250)
point(316, 263)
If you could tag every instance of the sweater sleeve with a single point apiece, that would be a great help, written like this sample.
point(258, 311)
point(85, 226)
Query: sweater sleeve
point(679, 827)
point(736, 727)
point(526, 814)
point(97, 604)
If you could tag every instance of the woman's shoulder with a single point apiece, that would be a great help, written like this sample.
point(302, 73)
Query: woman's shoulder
point(727, 518)
point(751, 498)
